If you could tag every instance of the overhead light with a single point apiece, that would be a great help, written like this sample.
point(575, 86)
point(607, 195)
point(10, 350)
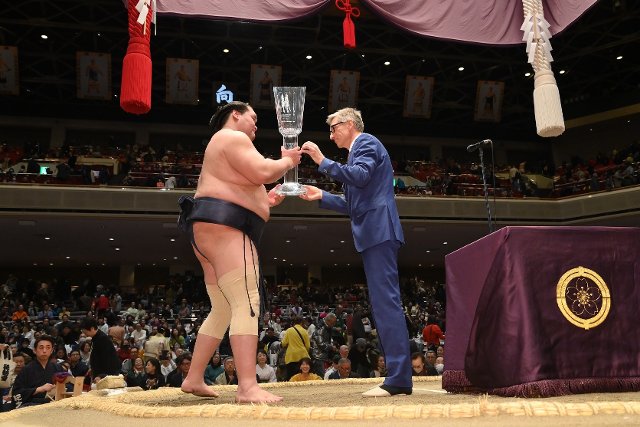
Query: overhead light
point(225, 50)
point(331, 250)
point(460, 68)
point(287, 241)
point(362, 55)
point(68, 257)
point(175, 257)
point(111, 239)
point(44, 36)
point(88, 264)
point(432, 265)
point(117, 249)
point(341, 241)
point(47, 238)
point(419, 265)
point(387, 63)
point(284, 260)
point(562, 71)
point(445, 243)
point(428, 251)
point(50, 263)
point(308, 56)
point(164, 259)
point(619, 57)
point(172, 239)
point(103, 264)
point(527, 74)
point(35, 263)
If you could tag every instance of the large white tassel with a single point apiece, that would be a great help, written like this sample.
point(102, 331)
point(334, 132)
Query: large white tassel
point(546, 96)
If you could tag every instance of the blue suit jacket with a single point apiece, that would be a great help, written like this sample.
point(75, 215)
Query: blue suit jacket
point(368, 193)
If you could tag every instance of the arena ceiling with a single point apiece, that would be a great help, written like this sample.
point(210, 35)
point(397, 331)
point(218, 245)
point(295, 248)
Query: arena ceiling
point(593, 81)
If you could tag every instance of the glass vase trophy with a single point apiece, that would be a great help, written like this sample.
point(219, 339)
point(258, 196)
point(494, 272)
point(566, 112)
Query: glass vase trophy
point(289, 109)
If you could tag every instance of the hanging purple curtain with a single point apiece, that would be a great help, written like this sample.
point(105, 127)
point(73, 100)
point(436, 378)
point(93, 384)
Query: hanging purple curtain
point(478, 21)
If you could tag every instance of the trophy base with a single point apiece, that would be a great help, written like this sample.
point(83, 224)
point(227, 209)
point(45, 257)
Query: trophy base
point(290, 189)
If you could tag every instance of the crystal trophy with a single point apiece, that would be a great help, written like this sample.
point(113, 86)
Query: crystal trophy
point(289, 109)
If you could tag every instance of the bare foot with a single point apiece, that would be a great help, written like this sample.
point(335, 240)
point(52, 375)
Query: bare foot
point(201, 390)
point(255, 394)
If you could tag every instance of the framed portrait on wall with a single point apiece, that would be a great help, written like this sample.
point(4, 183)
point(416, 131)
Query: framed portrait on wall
point(489, 97)
point(263, 79)
point(93, 75)
point(182, 81)
point(9, 76)
point(343, 89)
point(418, 93)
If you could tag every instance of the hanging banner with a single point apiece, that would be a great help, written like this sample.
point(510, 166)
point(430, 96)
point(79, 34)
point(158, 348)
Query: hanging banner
point(93, 72)
point(9, 76)
point(182, 81)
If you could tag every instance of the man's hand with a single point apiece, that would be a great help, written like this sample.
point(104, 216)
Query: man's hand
point(44, 388)
point(294, 154)
point(312, 149)
point(274, 198)
point(311, 193)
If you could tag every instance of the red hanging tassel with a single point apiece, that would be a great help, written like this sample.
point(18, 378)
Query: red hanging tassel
point(135, 91)
point(348, 28)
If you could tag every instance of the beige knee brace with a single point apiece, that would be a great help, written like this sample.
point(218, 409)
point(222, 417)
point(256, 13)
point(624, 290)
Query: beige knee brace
point(217, 322)
point(241, 299)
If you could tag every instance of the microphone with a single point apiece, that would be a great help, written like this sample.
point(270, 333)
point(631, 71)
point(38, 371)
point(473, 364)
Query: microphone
point(475, 146)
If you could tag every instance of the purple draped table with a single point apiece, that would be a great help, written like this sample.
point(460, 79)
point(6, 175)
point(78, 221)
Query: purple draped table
point(544, 311)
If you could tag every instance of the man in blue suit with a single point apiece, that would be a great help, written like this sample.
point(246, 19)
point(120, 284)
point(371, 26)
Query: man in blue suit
point(369, 201)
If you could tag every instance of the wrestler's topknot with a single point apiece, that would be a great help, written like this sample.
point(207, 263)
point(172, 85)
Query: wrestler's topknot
point(221, 115)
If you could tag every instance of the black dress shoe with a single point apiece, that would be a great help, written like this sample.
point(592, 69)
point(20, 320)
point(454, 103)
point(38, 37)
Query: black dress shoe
point(386, 391)
point(396, 390)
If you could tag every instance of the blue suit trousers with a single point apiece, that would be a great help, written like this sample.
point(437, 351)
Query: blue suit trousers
point(381, 269)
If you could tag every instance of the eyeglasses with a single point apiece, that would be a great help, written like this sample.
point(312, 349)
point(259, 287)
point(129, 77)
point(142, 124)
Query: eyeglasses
point(332, 128)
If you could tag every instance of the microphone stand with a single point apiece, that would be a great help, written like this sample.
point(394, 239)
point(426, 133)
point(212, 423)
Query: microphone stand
point(486, 191)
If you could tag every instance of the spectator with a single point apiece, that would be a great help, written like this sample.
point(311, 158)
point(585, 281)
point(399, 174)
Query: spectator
point(167, 365)
point(419, 367)
point(228, 376)
point(154, 377)
point(344, 371)
point(136, 376)
point(305, 373)
point(35, 380)
point(297, 345)
point(104, 359)
point(265, 372)
point(177, 376)
point(380, 369)
point(213, 369)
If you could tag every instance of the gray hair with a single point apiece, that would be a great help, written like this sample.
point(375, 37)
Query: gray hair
point(347, 114)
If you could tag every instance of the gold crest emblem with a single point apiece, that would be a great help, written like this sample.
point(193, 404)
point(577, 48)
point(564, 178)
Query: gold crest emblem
point(583, 297)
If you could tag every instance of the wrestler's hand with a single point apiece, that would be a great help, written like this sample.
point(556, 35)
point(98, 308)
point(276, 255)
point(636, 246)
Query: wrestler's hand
point(311, 193)
point(274, 198)
point(312, 149)
point(294, 154)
